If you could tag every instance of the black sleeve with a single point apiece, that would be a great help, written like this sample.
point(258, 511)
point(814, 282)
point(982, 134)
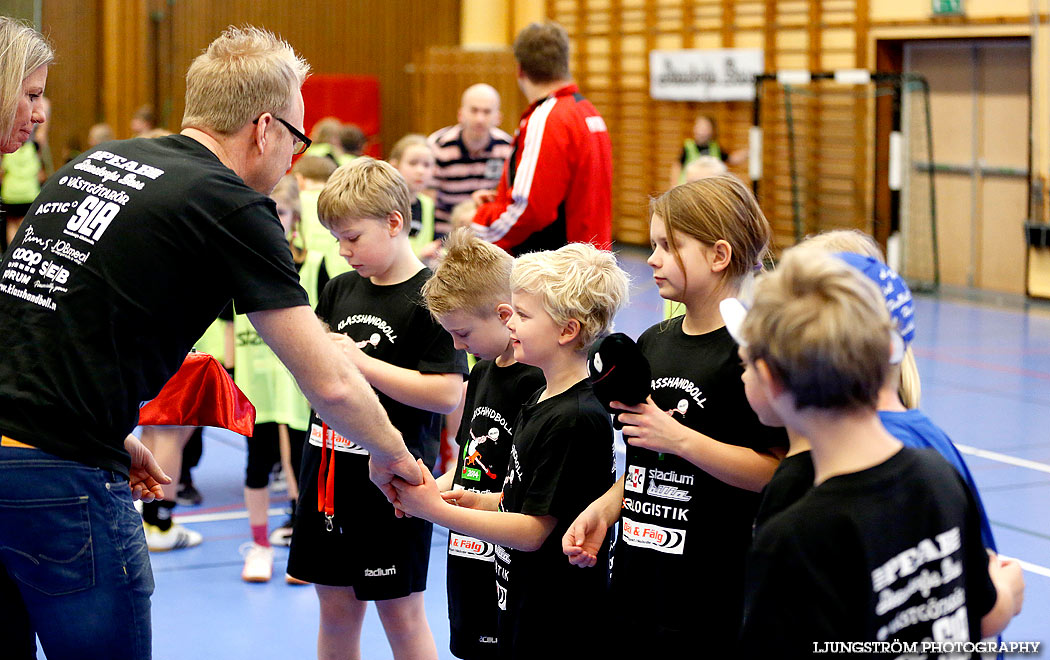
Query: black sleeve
point(439, 355)
point(227, 312)
point(324, 301)
point(468, 407)
point(981, 593)
point(681, 157)
point(322, 278)
point(258, 261)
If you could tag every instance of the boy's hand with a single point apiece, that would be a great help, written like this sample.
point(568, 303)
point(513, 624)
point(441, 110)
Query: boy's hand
point(349, 347)
point(462, 497)
point(1007, 572)
point(584, 538)
point(648, 427)
point(420, 500)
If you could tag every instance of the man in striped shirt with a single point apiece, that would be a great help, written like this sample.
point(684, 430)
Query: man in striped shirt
point(470, 155)
point(557, 185)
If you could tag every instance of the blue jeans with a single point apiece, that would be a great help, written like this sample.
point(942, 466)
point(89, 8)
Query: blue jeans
point(74, 567)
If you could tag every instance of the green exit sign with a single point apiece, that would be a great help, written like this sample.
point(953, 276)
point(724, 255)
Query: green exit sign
point(947, 7)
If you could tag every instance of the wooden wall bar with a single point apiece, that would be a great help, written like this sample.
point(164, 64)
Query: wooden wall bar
point(611, 41)
point(105, 47)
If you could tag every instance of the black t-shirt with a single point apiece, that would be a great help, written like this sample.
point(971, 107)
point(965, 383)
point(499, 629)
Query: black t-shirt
point(494, 398)
point(129, 253)
point(792, 479)
point(391, 324)
point(560, 462)
point(705, 149)
point(678, 568)
point(893, 552)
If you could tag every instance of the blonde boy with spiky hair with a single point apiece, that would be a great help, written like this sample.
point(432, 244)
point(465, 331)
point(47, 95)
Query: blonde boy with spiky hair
point(412, 364)
point(469, 295)
point(886, 547)
point(561, 458)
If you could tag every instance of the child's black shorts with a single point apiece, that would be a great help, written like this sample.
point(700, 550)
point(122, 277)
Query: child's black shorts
point(369, 549)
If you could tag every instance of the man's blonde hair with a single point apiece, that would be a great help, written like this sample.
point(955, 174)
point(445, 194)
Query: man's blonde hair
point(23, 50)
point(823, 330)
point(364, 188)
point(577, 281)
point(713, 209)
point(473, 276)
point(245, 72)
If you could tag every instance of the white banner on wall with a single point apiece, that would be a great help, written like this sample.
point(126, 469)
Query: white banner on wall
point(717, 74)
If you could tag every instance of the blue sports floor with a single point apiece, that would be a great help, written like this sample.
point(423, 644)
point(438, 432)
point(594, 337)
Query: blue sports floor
point(986, 379)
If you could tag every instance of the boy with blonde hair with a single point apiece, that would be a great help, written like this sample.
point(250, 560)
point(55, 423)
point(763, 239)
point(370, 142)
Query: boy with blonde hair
point(886, 546)
point(560, 461)
point(411, 363)
point(469, 295)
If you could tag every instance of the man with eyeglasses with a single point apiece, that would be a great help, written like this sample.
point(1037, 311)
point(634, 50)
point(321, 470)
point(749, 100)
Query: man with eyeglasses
point(128, 254)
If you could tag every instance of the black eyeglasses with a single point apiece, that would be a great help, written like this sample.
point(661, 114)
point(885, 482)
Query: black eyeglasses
point(303, 141)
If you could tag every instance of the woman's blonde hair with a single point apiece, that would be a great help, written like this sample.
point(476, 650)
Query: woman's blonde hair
point(245, 72)
point(714, 209)
point(23, 50)
point(402, 145)
point(823, 331)
point(473, 276)
point(577, 281)
point(909, 387)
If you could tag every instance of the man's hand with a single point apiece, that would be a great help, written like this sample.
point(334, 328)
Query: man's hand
point(145, 477)
point(384, 470)
point(583, 540)
point(418, 500)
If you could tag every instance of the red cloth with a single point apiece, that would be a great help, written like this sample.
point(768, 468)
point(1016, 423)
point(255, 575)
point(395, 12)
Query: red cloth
point(560, 172)
point(353, 99)
point(201, 393)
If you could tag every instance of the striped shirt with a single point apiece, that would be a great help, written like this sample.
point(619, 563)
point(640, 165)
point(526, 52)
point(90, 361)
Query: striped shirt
point(458, 173)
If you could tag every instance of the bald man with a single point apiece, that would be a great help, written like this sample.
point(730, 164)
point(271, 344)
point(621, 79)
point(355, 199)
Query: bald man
point(470, 155)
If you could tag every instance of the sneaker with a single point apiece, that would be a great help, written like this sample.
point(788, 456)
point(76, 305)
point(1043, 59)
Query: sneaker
point(175, 537)
point(278, 482)
point(258, 562)
point(293, 580)
point(282, 536)
point(187, 495)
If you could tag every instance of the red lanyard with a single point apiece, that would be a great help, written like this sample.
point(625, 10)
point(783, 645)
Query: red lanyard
point(326, 491)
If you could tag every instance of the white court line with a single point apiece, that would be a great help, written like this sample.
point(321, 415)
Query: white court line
point(221, 515)
point(1003, 458)
point(1029, 566)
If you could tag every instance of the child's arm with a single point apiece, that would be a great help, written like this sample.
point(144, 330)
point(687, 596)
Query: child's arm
point(648, 427)
point(512, 530)
point(439, 393)
point(444, 482)
point(584, 537)
point(1009, 587)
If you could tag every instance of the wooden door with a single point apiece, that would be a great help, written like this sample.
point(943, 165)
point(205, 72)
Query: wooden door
point(979, 100)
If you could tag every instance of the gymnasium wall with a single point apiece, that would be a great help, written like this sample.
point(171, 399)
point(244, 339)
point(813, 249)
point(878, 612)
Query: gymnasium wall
point(115, 55)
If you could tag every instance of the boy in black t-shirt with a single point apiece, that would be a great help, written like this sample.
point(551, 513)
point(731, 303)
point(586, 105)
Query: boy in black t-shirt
point(351, 546)
point(561, 459)
point(886, 546)
point(469, 295)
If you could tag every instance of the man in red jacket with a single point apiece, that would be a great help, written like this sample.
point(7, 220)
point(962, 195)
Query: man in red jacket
point(556, 187)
